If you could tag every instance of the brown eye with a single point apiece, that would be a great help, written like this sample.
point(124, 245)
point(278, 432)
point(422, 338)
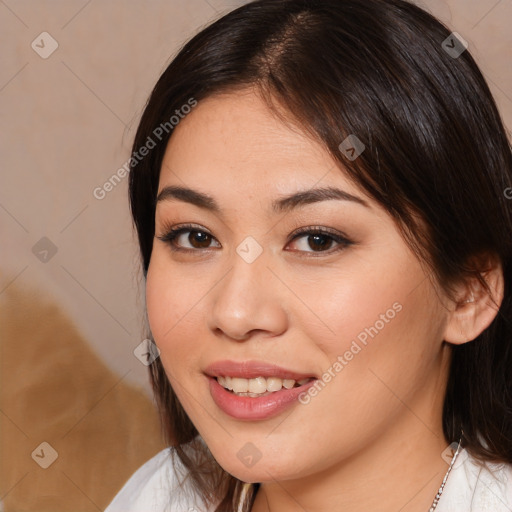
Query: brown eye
point(319, 240)
point(188, 238)
point(199, 239)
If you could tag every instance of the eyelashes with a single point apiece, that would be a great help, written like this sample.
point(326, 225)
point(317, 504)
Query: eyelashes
point(200, 240)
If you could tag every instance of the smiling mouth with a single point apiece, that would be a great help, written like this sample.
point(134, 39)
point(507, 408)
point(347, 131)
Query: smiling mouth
point(259, 386)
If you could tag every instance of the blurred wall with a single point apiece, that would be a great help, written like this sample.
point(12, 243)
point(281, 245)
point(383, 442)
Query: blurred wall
point(73, 81)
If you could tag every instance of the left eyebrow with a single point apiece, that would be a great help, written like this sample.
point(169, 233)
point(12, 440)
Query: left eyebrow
point(314, 195)
point(283, 204)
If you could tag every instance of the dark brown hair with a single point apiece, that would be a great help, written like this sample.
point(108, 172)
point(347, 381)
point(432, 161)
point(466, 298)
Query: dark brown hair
point(437, 158)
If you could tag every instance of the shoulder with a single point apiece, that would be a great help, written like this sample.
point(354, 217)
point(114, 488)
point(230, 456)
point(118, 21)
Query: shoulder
point(473, 486)
point(159, 485)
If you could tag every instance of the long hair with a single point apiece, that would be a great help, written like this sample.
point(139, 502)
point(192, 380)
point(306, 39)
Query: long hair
point(437, 158)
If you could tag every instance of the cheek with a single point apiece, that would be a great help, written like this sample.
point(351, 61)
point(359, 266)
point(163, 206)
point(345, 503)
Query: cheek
point(386, 320)
point(352, 306)
point(371, 359)
point(169, 296)
point(165, 311)
point(173, 303)
point(157, 300)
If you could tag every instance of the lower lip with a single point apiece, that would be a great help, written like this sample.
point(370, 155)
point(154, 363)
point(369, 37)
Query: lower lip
point(255, 408)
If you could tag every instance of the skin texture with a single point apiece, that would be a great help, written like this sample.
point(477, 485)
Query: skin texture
point(372, 438)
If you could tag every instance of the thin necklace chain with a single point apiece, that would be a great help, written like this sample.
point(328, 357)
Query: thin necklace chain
point(441, 489)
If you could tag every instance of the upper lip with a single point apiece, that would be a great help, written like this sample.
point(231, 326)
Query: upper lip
point(252, 369)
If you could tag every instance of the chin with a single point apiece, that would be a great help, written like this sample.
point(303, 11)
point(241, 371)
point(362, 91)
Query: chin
point(260, 472)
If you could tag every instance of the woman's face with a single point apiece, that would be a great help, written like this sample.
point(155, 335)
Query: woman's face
point(249, 282)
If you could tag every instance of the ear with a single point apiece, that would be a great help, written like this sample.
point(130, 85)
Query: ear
point(473, 310)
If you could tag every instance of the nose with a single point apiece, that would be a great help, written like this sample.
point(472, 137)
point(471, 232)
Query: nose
point(249, 299)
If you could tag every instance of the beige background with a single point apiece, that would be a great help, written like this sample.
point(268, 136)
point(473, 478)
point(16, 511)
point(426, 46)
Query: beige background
point(70, 324)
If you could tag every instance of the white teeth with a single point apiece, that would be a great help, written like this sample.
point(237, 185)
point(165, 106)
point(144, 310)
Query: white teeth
point(274, 384)
point(257, 386)
point(288, 383)
point(240, 385)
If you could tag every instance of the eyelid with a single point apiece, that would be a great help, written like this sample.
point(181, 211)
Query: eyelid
point(317, 229)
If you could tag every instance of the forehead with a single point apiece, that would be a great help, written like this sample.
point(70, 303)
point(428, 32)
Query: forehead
point(238, 130)
point(234, 144)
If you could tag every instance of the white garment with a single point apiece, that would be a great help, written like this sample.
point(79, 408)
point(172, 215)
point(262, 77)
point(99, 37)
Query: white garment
point(154, 487)
point(476, 487)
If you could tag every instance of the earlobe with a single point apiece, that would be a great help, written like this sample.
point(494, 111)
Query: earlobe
point(474, 310)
